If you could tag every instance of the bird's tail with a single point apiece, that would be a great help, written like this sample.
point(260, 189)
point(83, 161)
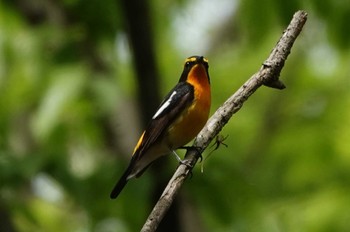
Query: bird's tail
point(120, 184)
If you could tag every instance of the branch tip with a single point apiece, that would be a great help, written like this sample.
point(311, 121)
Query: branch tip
point(277, 84)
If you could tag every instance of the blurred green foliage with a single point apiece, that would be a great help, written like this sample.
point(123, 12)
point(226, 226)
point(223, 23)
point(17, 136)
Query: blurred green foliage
point(69, 118)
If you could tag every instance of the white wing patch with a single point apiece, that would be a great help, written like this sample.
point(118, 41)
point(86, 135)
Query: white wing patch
point(164, 106)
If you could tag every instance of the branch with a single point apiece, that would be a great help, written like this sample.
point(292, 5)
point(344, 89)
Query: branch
point(267, 75)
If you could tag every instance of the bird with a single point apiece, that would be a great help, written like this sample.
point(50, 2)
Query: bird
point(178, 119)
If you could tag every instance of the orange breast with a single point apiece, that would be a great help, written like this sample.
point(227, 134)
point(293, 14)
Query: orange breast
point(193, 119)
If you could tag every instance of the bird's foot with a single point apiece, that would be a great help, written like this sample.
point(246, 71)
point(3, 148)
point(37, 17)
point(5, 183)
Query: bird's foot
point(197, 149)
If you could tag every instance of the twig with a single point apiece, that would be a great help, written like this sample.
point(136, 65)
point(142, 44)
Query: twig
point(267, 75)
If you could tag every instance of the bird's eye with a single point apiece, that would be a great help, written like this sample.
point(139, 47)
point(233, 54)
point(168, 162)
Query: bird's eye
point(187, 64)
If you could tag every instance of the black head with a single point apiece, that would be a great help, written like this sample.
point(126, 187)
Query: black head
point(190, 62)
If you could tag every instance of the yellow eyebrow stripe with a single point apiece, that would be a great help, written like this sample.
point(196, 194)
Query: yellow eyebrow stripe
point(193, 59)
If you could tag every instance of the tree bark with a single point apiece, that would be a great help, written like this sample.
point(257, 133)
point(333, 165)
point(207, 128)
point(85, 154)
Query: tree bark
point(139, 27)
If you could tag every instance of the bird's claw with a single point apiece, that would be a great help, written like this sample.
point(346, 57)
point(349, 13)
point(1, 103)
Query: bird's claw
point(197, 149)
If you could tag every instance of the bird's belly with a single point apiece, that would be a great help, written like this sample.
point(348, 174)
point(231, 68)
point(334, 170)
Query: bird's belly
point(185, 128)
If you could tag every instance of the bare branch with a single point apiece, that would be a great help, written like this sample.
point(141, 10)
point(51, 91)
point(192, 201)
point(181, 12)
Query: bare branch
point(267, 75)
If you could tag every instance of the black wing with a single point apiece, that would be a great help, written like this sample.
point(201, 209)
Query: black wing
point(179, 98)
